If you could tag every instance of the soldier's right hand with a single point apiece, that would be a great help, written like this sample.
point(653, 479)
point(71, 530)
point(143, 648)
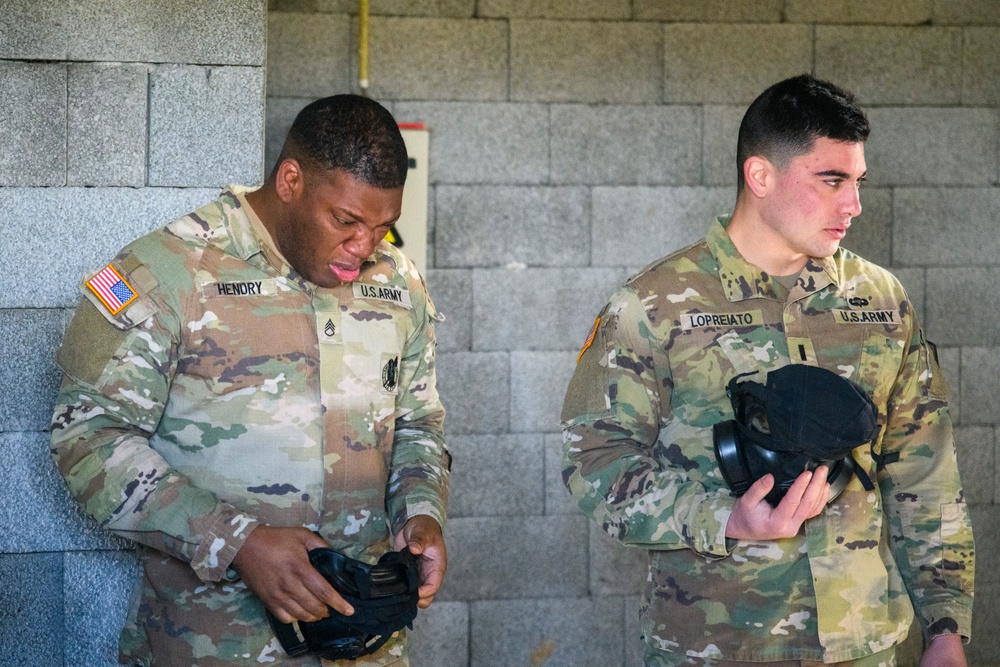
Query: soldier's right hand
point(274, 564)
point(753, 518)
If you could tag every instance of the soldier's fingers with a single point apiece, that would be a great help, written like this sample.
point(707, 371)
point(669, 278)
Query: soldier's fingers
point(817, 493)
point(790, 510)
point(758, 490)
point(324, 594)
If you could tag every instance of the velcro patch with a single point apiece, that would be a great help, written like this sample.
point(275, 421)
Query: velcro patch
point(845, 316)
point(111, 289)
point(396, 295)
point(721, 320)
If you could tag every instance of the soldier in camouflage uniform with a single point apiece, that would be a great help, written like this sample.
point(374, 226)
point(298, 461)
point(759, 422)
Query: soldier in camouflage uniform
point(254, 380)
point(734, 580)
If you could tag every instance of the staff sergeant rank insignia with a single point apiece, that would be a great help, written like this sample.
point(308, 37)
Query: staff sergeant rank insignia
point(396, 295)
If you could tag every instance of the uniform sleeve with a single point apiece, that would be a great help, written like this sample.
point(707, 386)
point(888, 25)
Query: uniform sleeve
point(418, 481)
point(615, 405)
point(117, 377)
point(928, 519)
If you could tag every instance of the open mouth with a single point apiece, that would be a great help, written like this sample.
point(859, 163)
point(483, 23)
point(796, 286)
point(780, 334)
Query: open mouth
point(345, 274)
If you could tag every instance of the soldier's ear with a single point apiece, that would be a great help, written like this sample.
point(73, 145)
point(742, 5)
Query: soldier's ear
point(757, 172)
point(289, 181)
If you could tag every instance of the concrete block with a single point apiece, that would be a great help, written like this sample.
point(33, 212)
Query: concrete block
point(555, 9)
point(721, 131)
point(32, 123)
point(708, 11)
point(924, 146)
point(37, 512)
point(538, 309)
point(965, 12)
point(894, 12)
point(950, 359)
point(440, 636)
point(585, 62)
point(76, 230)
point(615, 569)
point(981, 66)
point(484, 226)
point(986, 527)
point(511, 141)
point(443, 8)
point(626, 145)
point(583, 631)
point(438, 59)
point(219, 32)
point(557, 498)
point(699, 68)
point(538, 382)
point(308, 55)
point(29, 374)
point(892, 65)
point(976, 449)
point(31, 616)
point(279, 116)
point(475, 390)
point(97, 587)
point(915, 283)
point(635, 225)
point(980, 400)
point(451, 291)
point(985, 647)
point(945, 226)
point(501, 558)
point(206, 126)
point(962, 307)
point(870, 234)
point(502, 475)
point(107, 124)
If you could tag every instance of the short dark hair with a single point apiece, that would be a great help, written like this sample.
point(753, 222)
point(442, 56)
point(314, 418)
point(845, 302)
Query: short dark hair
point(352, 133)
point(787, 118)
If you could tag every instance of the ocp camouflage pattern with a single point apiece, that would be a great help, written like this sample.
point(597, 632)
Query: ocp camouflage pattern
point(638, 419)
point(232, 393)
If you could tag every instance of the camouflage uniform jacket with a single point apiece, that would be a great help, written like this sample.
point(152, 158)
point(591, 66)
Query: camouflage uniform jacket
point(231, 392)
point(638, 419)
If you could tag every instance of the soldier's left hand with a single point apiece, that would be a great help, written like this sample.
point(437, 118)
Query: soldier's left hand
point(423, 536)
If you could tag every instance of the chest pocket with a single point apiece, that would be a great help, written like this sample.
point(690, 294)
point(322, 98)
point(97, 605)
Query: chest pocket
point(881, 357)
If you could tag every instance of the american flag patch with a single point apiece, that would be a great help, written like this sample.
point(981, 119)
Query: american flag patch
point(111, 289)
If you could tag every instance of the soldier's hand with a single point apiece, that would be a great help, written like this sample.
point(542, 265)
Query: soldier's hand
point(753, 518)
point(274, 564)
point(944, 651)
point(422, 535)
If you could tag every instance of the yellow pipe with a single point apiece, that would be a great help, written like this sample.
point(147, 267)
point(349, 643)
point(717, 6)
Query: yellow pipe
point(363, 46)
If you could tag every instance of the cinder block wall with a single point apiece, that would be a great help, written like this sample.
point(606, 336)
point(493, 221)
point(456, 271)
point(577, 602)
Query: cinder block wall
point(114, 118)
point(571, 143)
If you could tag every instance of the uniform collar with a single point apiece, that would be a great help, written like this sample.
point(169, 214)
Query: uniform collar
point(742, 280)
point(246, 241)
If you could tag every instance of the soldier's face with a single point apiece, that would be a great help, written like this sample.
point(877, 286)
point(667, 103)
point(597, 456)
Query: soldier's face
point(811, 202)
point(335, 224)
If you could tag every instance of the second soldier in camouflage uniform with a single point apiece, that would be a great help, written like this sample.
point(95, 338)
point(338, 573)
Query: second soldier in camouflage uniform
point(234, 383)
point(734, 580)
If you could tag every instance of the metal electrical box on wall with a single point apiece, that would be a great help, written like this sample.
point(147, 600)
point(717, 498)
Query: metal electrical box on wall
point(412, 225)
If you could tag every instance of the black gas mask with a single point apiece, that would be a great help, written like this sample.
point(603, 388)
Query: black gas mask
point(802, 418)
point(384, 597)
